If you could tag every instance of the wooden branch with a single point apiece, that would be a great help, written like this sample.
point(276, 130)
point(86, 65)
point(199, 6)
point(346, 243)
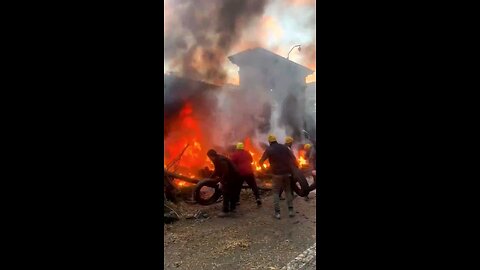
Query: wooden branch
point(177, 159)
point(182, 177)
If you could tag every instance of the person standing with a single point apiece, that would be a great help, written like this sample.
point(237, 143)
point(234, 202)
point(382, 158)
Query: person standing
point(243, 163)
point(229, 178)
point(281, 161)
point(288, 143)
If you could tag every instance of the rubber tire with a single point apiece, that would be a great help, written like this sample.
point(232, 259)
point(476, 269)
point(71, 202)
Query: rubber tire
point(300, 179)
point(209, 183)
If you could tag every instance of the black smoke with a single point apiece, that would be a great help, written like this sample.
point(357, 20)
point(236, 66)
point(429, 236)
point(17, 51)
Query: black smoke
point(179, 91)
point(202, 33)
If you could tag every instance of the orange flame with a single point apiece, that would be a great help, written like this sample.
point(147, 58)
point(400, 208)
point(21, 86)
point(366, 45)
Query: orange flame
point(187, 131)
point(302, 159)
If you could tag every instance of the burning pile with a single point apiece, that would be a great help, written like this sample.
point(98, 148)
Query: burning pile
point(189, 145)
point(198, 116)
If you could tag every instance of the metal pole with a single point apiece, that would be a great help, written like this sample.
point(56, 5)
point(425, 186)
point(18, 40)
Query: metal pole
point(288, 55)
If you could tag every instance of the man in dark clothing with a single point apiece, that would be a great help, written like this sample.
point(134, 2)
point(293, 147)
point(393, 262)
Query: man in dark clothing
point(243, 162)
point(229, 178)
point(281, 161)
point(288, 143)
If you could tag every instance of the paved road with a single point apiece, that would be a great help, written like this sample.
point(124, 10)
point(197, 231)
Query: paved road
point(307, 260)
point(312, 265)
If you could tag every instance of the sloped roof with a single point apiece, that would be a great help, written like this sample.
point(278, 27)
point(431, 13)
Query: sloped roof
point(184, 82)
point(260, 55)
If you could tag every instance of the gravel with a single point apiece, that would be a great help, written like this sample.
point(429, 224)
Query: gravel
point(251, 239)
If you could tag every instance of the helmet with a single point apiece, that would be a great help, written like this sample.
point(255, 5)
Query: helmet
point(272, 138)
point(288, 139)
point(240, 145)
point(307, 146)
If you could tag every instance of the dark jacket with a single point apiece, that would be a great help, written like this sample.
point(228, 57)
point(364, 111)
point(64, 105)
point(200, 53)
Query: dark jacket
point(280, 157)
point(243, 162)
point(224, 169)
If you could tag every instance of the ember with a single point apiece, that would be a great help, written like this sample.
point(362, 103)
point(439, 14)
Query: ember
point(182, 184)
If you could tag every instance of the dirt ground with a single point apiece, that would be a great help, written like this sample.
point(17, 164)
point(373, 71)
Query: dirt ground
point(252, 239)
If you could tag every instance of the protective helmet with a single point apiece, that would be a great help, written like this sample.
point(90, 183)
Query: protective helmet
point(272, 138)
point(240, 145)
point(288, 139)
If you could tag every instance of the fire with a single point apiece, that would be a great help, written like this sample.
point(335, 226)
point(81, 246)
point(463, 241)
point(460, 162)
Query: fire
point(256, 154)
point(187, 137)
point(302, 160)
point(182, 184)
point(194, 158)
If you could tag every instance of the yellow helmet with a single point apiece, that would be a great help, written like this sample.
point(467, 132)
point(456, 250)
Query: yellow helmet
point(307, 146)
point(288, 139)
point(272, 138)
point(240, 145)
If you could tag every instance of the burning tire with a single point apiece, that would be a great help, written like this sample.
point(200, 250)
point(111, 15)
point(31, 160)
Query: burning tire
point(207, 192)
point(300, 183)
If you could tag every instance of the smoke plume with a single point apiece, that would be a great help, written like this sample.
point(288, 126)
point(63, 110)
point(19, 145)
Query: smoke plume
point(201, 34)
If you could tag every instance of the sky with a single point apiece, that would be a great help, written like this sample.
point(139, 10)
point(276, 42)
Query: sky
point(281, 25)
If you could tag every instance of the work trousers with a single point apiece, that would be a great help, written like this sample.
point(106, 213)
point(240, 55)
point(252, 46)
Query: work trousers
point(282, 181)
point(230, 196)
point(291, 183)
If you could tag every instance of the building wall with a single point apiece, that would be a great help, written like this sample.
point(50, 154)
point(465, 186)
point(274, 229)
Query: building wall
point(310, 108)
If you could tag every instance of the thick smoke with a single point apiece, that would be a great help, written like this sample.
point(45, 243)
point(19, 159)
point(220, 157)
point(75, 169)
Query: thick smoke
point(243, 113)
point(202, 33)
point(178, 91)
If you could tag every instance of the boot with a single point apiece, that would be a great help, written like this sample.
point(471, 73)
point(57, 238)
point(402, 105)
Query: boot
point(277, 215)
point(291, 213)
